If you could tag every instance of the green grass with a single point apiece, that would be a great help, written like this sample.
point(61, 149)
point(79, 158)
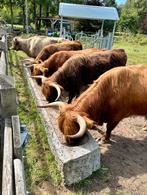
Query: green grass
point(40, 164)
point(136, 50)
point(17, 26)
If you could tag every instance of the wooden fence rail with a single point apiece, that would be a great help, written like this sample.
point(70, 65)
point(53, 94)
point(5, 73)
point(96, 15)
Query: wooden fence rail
point(4, 52)
point(7, 179)
point(12, 170)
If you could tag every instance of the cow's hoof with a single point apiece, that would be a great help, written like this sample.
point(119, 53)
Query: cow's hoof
point(103, 140)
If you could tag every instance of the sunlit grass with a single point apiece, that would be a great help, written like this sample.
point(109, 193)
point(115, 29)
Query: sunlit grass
point(137, 52)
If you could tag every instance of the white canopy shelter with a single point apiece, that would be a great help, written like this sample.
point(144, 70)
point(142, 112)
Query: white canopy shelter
point(88, 12)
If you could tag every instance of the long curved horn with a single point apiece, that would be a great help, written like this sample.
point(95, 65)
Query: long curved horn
point(40, 77)
point(28, 61)
point(56, 86)
point(81, 132)
point(31, 65)
point(56, 104)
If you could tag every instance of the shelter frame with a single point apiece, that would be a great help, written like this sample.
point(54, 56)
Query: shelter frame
point(80, 11)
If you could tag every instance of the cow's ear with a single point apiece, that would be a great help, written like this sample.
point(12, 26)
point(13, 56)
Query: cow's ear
point(90, 123)
point(15, 40)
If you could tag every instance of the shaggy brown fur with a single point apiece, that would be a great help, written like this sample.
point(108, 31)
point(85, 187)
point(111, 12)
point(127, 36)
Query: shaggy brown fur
point(81, 70)
point(33, 45)
point(117, 94)
point(49, 66)
point(47, 51)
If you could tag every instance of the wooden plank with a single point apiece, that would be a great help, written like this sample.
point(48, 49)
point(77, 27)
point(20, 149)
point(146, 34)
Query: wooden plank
point(8, 102)
point(3, 67)
point(7, 178)
point(3, 60)
point(16, 137)
point(2, 46)
point(7, 96)
point(2, 32)
point(20, 188)
point(1, 150)
point(4, 39)
point(4, 54)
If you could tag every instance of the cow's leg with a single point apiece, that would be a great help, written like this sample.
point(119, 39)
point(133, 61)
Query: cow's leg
point(105, 138)
point(110, 127)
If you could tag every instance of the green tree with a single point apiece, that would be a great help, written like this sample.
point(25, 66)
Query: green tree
point(8, 3)
point(90, 25)
point(110, 3)
point(11, 10)
point(129, 17)
point(141, 7)
point(94, 2)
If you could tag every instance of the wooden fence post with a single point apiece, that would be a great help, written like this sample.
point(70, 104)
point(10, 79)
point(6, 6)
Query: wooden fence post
point(4, 52)
point(16, 137)
point(7, 178)
point(12, 181)
point(7, 96)
point(20, 188)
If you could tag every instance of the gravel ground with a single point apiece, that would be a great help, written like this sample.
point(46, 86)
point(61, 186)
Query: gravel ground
point(126, 161)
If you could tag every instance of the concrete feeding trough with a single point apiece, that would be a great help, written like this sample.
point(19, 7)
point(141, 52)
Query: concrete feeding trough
point(74, 162)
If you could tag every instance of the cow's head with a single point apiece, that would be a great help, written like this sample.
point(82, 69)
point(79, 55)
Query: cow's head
point(72, 124)
point(38, 69)
point(15, 44)
point(51, 90)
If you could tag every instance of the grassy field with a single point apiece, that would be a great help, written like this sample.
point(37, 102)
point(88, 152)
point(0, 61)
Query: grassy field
point(40, 165)
point(135, 48)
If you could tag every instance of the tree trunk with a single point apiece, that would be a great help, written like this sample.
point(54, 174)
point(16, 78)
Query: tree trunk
point(24, 20)
point(34, 10)
point(47, 8)
point(40, 13)
point(11, 10)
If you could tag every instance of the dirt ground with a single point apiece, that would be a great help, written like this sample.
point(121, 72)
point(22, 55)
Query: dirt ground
point(125, 161)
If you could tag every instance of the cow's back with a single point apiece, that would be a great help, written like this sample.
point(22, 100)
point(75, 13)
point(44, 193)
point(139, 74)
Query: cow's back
point(37, 43)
